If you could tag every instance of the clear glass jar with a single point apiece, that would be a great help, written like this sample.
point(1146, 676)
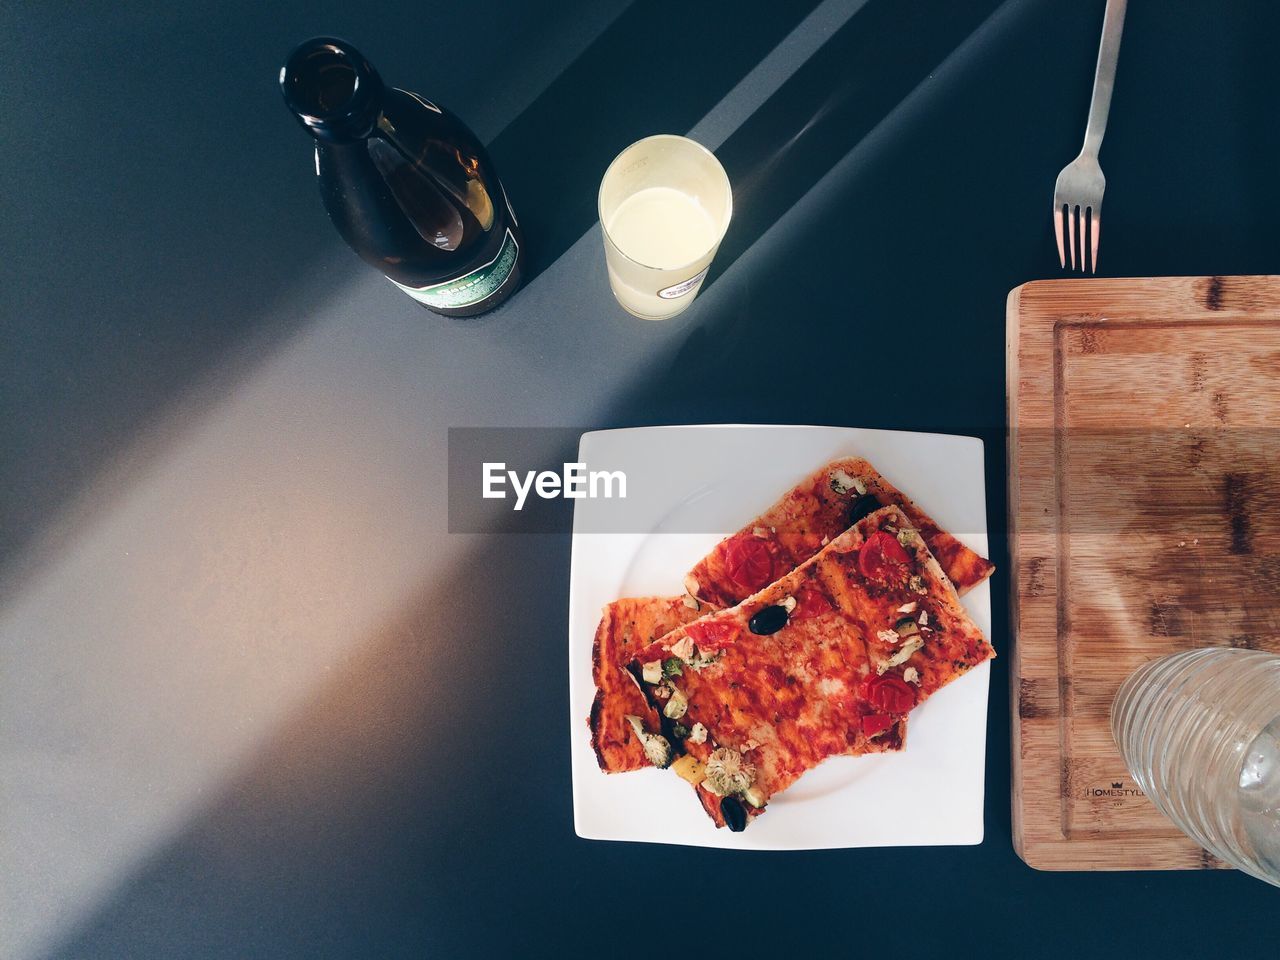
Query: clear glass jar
point(1200, 733)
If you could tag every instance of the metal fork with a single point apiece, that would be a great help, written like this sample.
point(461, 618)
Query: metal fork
point(1080, 184)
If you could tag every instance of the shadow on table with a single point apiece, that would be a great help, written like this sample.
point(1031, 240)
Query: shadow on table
point(669, 67)
point(659, 68)
point(838, 96)
point(163, 228)
point(212, 225)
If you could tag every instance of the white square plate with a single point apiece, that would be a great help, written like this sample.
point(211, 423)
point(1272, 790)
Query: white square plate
point(715, 479)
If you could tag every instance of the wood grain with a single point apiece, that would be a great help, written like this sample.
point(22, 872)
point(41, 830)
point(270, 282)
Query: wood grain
point(1144, 486)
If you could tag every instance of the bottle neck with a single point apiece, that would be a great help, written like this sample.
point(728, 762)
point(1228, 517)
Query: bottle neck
point(330, 87)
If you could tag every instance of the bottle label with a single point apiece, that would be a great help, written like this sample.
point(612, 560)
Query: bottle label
point(470, 288)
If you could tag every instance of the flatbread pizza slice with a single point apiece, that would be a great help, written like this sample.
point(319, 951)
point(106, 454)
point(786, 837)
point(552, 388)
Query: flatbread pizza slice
point(784, 536)
point(806, 518)
point(827, 660)
point(626, 731)
point(627, 626)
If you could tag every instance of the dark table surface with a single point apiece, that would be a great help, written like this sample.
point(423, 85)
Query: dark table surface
point(256, 701)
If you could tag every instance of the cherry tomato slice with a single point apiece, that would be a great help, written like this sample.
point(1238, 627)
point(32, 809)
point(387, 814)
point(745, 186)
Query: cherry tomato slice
point(891, 695)
point(810, 602)
point(882, 557)
point(712, 635)
point(749, 562)
point(874, 723)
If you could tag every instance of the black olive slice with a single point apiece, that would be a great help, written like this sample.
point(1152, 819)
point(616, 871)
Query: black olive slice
point(769, 620)
point(735, 814)
point(861, 507)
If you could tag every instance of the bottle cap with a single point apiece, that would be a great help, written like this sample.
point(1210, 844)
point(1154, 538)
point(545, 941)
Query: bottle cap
point(335, 93)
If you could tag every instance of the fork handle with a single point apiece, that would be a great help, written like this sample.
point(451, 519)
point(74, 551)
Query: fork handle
point(1105, 75)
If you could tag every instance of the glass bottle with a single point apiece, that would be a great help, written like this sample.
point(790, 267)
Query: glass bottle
point(406, 183)
point(1200, 733)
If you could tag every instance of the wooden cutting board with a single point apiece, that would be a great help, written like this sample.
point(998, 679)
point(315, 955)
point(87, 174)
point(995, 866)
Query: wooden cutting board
point(1144, 508)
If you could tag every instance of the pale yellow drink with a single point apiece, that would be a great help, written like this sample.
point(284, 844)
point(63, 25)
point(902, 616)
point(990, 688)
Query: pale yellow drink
point(665, 204)
point(663, 228)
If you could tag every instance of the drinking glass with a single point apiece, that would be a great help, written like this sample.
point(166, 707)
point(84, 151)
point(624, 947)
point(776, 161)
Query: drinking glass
point(665, 204)
point(1200, 732)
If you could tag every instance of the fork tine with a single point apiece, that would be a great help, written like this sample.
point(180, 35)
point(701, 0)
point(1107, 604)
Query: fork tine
point(1084, 260)
point(1095, 223)
point(1071, 234)
point(1057, 233)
